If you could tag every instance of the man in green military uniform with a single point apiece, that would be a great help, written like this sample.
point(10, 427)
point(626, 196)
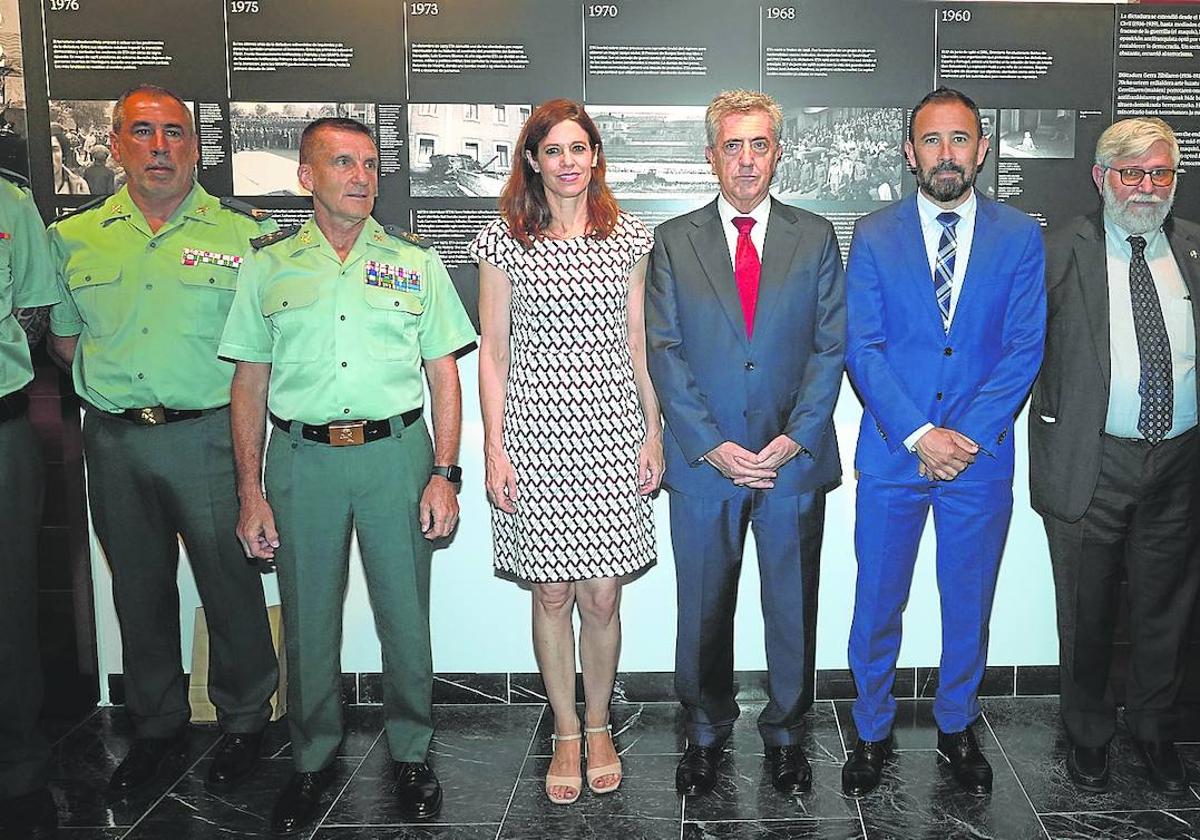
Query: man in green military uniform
point(147, 277)
point(331, 327)
point(26, 291)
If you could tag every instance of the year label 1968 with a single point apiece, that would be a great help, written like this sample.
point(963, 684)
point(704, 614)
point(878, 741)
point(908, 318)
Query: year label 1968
point(780, 12)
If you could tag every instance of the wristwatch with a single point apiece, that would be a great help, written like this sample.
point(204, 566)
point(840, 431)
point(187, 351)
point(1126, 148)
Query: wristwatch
point(450, 472)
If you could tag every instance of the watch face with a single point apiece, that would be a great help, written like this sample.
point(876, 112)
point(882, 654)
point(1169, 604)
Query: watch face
point(452, 473)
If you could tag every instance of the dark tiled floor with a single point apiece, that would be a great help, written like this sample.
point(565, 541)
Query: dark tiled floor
point(490, 757)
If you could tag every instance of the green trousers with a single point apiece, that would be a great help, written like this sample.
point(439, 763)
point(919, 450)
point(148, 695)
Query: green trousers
point(319, 495)
point(24, 754)
point(148, 486)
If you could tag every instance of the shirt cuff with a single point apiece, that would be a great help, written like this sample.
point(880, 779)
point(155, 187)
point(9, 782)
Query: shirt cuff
point(910, 442)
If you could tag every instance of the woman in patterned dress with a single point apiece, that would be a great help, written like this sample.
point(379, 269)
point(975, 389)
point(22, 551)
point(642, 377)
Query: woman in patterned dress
point(572, 434)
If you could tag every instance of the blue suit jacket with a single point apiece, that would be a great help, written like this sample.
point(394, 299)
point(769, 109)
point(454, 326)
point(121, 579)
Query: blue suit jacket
point(713, 383)
point(909, 371)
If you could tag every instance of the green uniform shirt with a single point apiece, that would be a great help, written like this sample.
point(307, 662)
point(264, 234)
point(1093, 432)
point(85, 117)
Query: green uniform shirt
point(149, 307)
point(345, 340)
point(26, 280)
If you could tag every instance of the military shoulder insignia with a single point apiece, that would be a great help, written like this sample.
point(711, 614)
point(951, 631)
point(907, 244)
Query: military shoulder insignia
point(16, 177)
point(98, 201)
point(408, 236)
point(245, 208)
point(271, 238)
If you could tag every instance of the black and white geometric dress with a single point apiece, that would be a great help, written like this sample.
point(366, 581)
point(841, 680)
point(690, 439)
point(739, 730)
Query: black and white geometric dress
point(572, 421)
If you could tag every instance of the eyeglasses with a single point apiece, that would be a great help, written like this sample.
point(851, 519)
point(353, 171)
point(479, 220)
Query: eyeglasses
point(1132, 176)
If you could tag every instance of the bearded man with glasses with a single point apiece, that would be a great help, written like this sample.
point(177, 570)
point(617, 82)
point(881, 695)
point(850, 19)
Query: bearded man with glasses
point(1114, 458)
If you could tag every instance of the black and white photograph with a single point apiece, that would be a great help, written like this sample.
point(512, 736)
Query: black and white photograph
point(82, 161)
point(841, 154)
point(462, 149)
point(266, 141)
point(13, 131)
point(985, 178)
point(1036, 133)
point(654, 151)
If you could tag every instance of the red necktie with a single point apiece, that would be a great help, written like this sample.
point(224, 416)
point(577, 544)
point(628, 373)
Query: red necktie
point(746, 269)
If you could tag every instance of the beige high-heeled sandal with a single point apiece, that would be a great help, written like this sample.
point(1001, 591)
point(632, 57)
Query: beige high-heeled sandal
point(575, 782)
point(613, 769)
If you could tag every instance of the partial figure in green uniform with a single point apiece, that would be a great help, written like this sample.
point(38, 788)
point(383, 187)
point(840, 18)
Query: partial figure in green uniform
point(331, 326)
point(147, 278)
point(26, 292)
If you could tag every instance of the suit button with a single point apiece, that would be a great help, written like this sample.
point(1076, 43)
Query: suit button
point(939, 395)
point(749, 365)
point(949, 351)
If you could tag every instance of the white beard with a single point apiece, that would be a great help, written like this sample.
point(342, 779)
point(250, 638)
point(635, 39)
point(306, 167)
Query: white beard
point(1139, 214)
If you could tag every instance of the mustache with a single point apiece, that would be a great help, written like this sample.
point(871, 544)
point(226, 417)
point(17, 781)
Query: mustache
point(948, 166)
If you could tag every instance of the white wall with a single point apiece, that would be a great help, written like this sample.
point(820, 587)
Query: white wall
point(481, 623)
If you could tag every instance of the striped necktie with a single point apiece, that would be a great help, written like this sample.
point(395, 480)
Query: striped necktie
point(943, 267)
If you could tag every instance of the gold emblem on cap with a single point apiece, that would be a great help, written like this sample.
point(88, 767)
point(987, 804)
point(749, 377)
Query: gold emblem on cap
point(304, 237)
point(202, 210)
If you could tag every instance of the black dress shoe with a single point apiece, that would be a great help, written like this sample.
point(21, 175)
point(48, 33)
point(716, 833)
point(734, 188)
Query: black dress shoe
point(696, 773)
point(236, 758)
point(790, 771)
point(1088, 767)
point(1164, 767)
point(971, 769)
point(30, 816)
point(297, 805)
point(864, 768)
point(146, 760)
point(418, 791)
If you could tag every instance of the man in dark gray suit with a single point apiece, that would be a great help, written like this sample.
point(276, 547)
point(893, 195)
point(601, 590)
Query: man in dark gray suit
point(746, 355)
point(1114, 457)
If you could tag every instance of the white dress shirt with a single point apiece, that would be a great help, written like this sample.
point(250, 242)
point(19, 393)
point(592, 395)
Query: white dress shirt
point(931, 232)
point(1124, 403)
point(758, 233)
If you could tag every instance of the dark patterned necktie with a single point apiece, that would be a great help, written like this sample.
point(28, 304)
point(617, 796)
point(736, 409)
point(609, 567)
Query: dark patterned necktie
point(943, 266)
point(1156, 385)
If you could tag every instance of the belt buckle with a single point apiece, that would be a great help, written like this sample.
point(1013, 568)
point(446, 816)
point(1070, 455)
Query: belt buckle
point(152, 415)
point(347, 433)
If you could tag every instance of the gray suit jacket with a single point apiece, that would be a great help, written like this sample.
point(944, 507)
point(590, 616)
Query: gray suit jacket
point(715, 384)
point(1070, 398)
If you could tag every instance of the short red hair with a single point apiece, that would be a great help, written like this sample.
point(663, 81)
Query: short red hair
point(523, 200)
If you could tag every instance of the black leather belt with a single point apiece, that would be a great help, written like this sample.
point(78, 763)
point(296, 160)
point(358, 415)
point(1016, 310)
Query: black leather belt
point(349, 432)
point(157, 415)
point(13, 406)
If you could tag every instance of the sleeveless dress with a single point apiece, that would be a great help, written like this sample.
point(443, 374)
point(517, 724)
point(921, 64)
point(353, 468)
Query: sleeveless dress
point(573, 424)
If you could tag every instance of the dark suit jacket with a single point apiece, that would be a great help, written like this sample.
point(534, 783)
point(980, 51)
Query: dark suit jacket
point(1070, 399)
point(714, 384)
point(910, 371)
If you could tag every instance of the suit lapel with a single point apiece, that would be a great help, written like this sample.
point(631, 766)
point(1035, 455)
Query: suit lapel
point(983, 243)
point(1091, 261)
point(916, 262)
point(1187, 257)
point(713, 252)
point(783, 237)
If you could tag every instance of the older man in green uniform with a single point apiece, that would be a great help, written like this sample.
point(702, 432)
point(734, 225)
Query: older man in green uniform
point(26, 291)
point(147, 278)
point(332, 325)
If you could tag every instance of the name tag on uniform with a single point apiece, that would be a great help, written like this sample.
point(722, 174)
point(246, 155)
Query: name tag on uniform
point(392, 277)
point(196, 256)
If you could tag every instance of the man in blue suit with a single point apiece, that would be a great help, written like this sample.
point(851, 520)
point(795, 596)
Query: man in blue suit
point(746, 354)
point(946, 315)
